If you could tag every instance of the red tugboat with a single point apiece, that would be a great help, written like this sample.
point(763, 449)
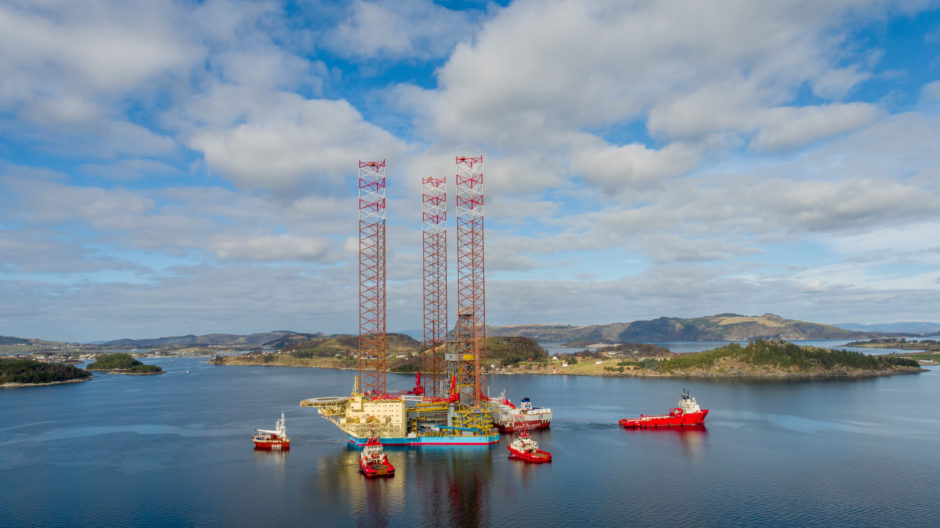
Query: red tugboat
point(276, 440)
point(688, 413)
point(524, 448)
point(373, 462)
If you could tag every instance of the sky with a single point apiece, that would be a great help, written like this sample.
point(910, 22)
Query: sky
point(190, 167)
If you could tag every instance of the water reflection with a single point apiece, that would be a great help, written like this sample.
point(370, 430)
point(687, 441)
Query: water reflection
point(369, 501)
point(691, 438)
point(271, 460)
point(271, 464)
point(456, 491)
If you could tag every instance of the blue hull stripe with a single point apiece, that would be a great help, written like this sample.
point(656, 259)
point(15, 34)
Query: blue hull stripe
point(432, 440)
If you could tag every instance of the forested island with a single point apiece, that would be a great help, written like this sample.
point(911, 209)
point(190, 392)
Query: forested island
point(123, 363)
point(26, 372)
point(404, 353)
point(758, 360)
point(769, 360)
point(927, 345)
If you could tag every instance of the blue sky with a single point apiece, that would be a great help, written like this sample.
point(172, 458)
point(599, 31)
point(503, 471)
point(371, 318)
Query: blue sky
point(189, 167)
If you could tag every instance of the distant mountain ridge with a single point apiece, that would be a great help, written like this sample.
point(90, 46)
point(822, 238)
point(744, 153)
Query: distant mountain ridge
point(918, 328)
point(721, 327)
point(277, 338)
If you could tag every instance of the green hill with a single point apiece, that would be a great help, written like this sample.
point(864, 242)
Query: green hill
point(265, 338)
point(346, 344)
point(123, 362)
point(722, 327)
point(32, 372)
point(778, 359)
point(340, 351)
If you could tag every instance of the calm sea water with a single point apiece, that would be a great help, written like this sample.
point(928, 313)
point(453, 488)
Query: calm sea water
point(174, 450)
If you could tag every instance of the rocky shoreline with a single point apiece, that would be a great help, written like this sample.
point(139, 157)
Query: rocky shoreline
point(128, 373)
point(15, 385)
point(594, 369)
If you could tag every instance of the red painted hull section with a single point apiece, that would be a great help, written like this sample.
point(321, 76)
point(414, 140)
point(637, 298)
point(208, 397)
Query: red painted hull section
point(537, 457)
point(670, 420)
point(377, 470)
point(276, 445)
point(531, 425)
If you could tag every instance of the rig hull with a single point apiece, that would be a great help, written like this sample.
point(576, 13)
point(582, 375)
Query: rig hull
point(406, 421)
point(483, 440)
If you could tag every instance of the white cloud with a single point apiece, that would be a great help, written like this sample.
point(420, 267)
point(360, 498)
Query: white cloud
point(278, 248)
point(913, 242)
point(615, 168)
point(716, 109)
point(92, 47)
point(793, 127)
point(838, 82)
point(538, 67)
point(49, 203)
point(689, 215)
point(129, 169)
point(401, 29)
point(281, 141)
point(931, 91)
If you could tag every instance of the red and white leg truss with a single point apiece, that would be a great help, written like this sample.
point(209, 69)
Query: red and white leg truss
point(373, 345)
point(471, 285)
point(434, 234)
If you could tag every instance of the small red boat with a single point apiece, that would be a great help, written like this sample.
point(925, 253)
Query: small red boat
point(524, 448)
point(688, 413)
point(373, 462)
point(276, 440)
